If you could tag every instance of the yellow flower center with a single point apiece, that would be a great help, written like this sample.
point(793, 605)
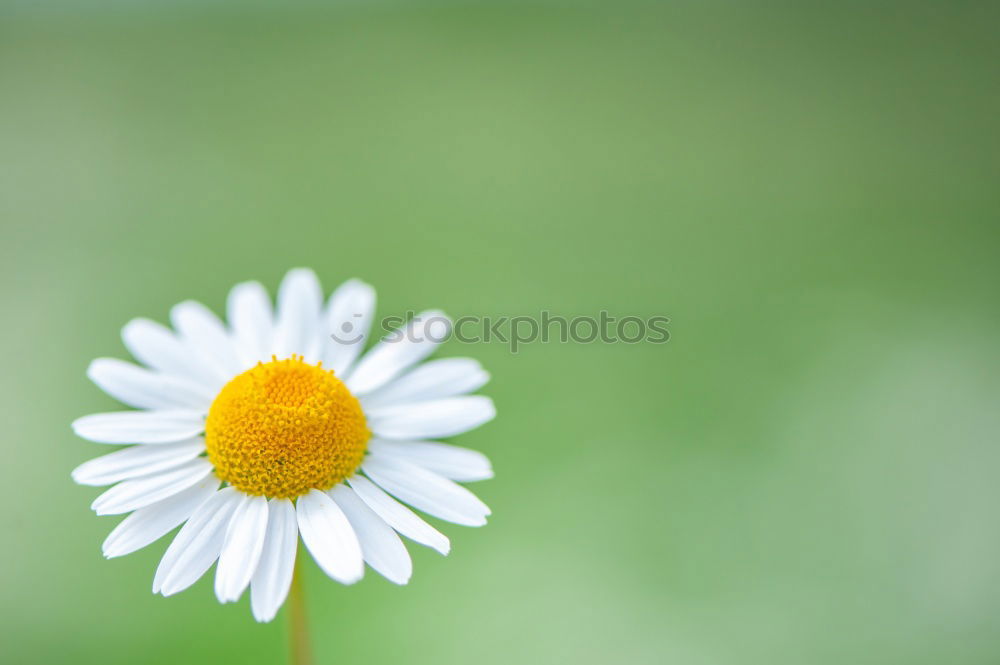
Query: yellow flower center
point(284, 427)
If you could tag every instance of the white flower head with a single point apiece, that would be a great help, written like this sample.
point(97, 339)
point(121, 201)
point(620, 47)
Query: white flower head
point(273, 427)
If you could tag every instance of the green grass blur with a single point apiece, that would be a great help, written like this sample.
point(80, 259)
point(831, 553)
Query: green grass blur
point(806, 473)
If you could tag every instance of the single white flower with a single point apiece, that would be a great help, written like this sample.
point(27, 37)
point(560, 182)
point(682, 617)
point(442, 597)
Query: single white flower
point(254, 434)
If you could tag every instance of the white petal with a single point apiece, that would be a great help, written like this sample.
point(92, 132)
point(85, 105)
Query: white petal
point(197, 545)
point(398, 516)
point(426, 491)
point(145, 389)
point(137, 461)
point(436, 379)
point(329, 537)
point(431, 420)
point(138, 492)
point(242, 548)
point(140, 426)
point(206, 337)
point(300, 299)
point(158, 347)
point(380, 546)
point(252, 323)
point(348, 322)
point(151, 523)
point(452, 462)
point(270, 582)
point(399, 350)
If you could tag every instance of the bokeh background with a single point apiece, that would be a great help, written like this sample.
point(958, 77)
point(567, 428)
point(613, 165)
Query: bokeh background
point(806, 473)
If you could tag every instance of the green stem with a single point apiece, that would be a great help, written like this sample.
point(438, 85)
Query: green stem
point(298, 628)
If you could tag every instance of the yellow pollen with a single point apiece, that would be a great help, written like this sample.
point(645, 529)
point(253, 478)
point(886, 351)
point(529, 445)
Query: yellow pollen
point(284, 427)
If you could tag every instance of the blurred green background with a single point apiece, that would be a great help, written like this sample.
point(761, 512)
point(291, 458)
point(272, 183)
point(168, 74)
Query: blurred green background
point(805, 473)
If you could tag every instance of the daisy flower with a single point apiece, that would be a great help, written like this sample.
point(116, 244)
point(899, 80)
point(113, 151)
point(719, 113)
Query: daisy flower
point(254, 434)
